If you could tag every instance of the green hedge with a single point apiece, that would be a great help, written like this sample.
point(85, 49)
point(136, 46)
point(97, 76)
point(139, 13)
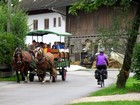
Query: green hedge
point(136, 62)
point(18, 29)
point(7, 47)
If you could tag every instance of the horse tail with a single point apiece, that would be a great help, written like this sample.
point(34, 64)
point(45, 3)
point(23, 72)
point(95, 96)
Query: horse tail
point(54, 72)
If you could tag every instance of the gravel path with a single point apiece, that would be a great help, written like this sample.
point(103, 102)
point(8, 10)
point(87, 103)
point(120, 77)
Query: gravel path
point(123, 97)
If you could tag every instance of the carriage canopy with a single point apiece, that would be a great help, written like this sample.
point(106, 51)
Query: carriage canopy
point(46, 32)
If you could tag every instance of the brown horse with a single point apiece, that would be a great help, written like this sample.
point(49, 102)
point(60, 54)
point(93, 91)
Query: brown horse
point(45, 63)
point(20, 63)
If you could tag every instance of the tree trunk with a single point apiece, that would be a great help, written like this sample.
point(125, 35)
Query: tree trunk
point(125, 70)
point(9, 16)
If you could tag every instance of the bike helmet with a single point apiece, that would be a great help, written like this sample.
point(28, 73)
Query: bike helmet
point(101, 50)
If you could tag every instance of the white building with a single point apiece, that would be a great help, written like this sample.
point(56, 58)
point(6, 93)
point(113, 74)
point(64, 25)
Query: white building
point(47, 21)
point(46, 15)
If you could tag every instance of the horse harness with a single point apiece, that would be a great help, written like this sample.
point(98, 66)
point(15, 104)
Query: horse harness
point(43, 58)
point(18, 53)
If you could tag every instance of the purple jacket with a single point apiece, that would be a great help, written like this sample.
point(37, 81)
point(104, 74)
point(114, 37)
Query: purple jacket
point(101, 59)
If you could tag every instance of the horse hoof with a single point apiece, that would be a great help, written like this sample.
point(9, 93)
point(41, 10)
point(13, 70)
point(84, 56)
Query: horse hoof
point(50, 81)
point(43, 82)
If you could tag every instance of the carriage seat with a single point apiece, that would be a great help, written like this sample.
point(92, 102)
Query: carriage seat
point(55, 52)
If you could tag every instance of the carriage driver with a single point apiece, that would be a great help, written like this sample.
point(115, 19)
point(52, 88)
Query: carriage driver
point(31, 51)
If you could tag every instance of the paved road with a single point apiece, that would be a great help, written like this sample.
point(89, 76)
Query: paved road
point(78, 84)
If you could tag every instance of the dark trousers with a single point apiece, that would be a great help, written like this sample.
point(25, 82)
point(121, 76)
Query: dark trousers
point(100, 67)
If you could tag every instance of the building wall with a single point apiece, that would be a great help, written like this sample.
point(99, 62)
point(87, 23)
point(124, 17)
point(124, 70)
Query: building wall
point(86, 26)
point(40, 18)
point(90, 23)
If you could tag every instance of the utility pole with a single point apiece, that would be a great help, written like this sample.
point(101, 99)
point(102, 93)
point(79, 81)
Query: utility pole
point(9, 16)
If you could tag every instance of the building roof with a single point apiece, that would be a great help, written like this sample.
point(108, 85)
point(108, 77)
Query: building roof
point(44, 4)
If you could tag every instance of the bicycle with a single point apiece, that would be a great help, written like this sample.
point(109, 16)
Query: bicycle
point(101, 75)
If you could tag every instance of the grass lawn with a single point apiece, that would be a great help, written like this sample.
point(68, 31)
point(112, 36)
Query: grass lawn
point(13, 78)
point(110, 103)
point(131, 86)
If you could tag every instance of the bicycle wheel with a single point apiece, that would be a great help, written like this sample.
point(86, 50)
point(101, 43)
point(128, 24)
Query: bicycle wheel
point(102, 83)
point(101, 80)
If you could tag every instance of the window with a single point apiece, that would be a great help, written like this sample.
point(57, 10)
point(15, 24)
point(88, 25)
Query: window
point(35, 24)
point(46, 23)
point(72, 49)
point(54, 22)
point(59, 21)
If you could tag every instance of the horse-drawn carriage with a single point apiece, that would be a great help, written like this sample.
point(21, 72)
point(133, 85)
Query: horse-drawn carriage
point(55, 62)
point(61, 62)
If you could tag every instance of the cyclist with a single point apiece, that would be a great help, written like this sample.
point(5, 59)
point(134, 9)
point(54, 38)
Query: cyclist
point(101, 63)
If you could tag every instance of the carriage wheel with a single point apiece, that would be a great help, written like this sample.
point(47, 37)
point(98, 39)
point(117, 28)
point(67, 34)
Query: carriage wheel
point(63, 74)
point(31, 77)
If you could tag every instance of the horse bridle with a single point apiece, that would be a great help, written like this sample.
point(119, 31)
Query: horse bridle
point(18, 53)
point(42, 58)
point(38, 51)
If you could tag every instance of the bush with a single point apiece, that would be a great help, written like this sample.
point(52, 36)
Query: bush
point(7, 47)
point(136, 86)
point(136, 62)
point(18, 28)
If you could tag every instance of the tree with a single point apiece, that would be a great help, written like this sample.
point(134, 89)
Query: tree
point(9, 16)
point(90, 5)
point(18, 29)
point(18, 18)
